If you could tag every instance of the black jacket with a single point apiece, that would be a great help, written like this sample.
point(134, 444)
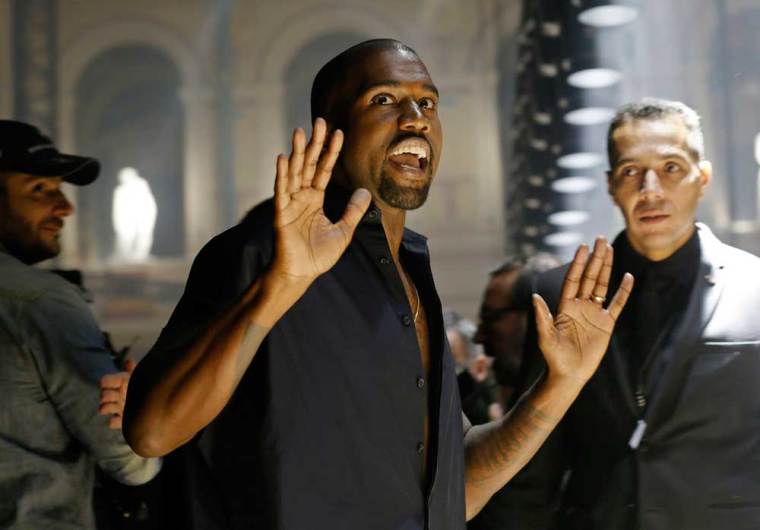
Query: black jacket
point(697, 465)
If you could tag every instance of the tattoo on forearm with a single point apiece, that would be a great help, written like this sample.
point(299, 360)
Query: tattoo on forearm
point(506, 443)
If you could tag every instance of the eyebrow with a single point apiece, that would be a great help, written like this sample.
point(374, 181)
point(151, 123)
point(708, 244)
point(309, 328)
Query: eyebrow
point(393, 83)
point(670, 153)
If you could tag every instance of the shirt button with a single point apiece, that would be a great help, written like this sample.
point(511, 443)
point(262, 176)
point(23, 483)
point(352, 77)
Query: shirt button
point(420, 448)
point(420, 382)
point(406, 320)
point(372, 214)
point(384, 261)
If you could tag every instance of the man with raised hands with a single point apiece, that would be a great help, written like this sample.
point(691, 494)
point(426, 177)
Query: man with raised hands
point(307, 359)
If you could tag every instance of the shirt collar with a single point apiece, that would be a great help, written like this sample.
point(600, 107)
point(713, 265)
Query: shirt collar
point(681, 266)
point(336, 199)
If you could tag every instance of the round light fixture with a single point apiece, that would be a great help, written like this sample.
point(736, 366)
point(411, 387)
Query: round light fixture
point(569, 218)
point(580, 160)
point(590, 116)
point(606, 16)
point(574, 184)
point(564, 239)
point(594, 78)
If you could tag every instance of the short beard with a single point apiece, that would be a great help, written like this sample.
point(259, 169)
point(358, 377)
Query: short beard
point(18, 238)
point(405, 198)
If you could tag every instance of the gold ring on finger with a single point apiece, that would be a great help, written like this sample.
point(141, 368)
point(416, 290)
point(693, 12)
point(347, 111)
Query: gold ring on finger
point(598, 299)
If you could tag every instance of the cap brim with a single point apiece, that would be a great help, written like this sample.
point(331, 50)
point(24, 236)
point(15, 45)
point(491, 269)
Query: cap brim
point(79, 170)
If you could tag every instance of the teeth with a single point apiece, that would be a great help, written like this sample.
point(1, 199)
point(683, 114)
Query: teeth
point(412, 146)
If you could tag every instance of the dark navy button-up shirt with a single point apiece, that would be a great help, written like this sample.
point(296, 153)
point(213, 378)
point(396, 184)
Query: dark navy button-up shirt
point(326, 429)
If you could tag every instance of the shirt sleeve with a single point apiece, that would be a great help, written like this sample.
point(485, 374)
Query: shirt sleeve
point(220, 274)
point(71, 356)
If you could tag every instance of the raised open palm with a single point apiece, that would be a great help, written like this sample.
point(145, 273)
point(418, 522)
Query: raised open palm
point(574, 342)
point(307, 242)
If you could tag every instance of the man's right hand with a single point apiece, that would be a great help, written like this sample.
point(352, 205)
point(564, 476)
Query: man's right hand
point(307, 242)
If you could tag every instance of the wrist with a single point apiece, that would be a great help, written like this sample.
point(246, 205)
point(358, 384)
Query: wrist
point(273, 295)
point(564, 384)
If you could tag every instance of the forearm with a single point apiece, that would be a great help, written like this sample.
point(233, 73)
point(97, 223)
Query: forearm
point(496, 451)
point(167, 407)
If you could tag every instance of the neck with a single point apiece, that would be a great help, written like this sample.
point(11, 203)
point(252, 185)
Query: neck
point(393, 226)
point(662, 253)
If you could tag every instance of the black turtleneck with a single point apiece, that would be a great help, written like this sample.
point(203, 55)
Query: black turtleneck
point(659, 298)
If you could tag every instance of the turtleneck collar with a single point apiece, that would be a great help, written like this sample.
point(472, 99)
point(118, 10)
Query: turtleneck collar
point(681, 266)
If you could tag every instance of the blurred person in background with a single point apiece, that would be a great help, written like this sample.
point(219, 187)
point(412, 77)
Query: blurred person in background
point(62, 395)
point(505, 310)
point(477, 385)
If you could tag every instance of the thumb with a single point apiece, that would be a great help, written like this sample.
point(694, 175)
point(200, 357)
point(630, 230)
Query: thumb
point(355, 209)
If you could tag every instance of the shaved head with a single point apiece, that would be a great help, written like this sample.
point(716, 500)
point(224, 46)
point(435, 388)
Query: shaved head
point(325, 96)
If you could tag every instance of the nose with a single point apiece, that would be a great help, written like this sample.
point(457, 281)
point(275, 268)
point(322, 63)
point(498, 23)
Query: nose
point(412, 118)
point(651, 185)
point(62, 207)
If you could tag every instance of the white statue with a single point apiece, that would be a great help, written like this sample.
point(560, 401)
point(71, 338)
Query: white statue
point(134, 217)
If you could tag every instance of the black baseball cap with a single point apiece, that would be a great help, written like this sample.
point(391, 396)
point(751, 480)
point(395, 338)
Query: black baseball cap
point(25, 149)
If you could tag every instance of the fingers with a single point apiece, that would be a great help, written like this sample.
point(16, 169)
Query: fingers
point(313, 150)
point(603, 282)
point(574, 273)
point(544, 318)
point(355, 209)
point(307, 166)
point(113, 381)
point(111, 408)
point(115, 423)
point(129, 366)
point(327, 161)
point(110, 396)
point(592, 269)
point(281, 195)
point(295, 163)
point(621, 296)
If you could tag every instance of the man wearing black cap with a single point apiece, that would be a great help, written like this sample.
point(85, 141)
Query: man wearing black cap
point(52, 353)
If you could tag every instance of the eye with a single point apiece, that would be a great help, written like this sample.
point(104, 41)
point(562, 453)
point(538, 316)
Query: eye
point(629, 171)
point(427, 103)
point(672, 167)
point(382, 99)
point(39, 187)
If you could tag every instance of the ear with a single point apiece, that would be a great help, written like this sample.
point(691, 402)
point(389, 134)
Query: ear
point(705, 175)
point(611, 186)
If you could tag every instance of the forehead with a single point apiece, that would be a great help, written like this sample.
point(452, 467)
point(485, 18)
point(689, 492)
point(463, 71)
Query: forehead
point(646, 137)
point(387, 66)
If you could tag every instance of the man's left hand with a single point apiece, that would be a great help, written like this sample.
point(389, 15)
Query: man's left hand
point(113, 394)
point(574, 342)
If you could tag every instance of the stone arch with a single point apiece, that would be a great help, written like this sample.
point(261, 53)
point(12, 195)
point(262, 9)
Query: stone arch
point(197, 98)
point(287, 42)
point(128, 113)
point(76, 57)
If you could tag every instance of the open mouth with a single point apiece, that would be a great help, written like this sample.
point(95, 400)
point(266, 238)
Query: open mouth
point(411, 154)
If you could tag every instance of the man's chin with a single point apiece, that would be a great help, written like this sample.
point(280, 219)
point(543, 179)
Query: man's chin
point(40, 252)
point(403, 197)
